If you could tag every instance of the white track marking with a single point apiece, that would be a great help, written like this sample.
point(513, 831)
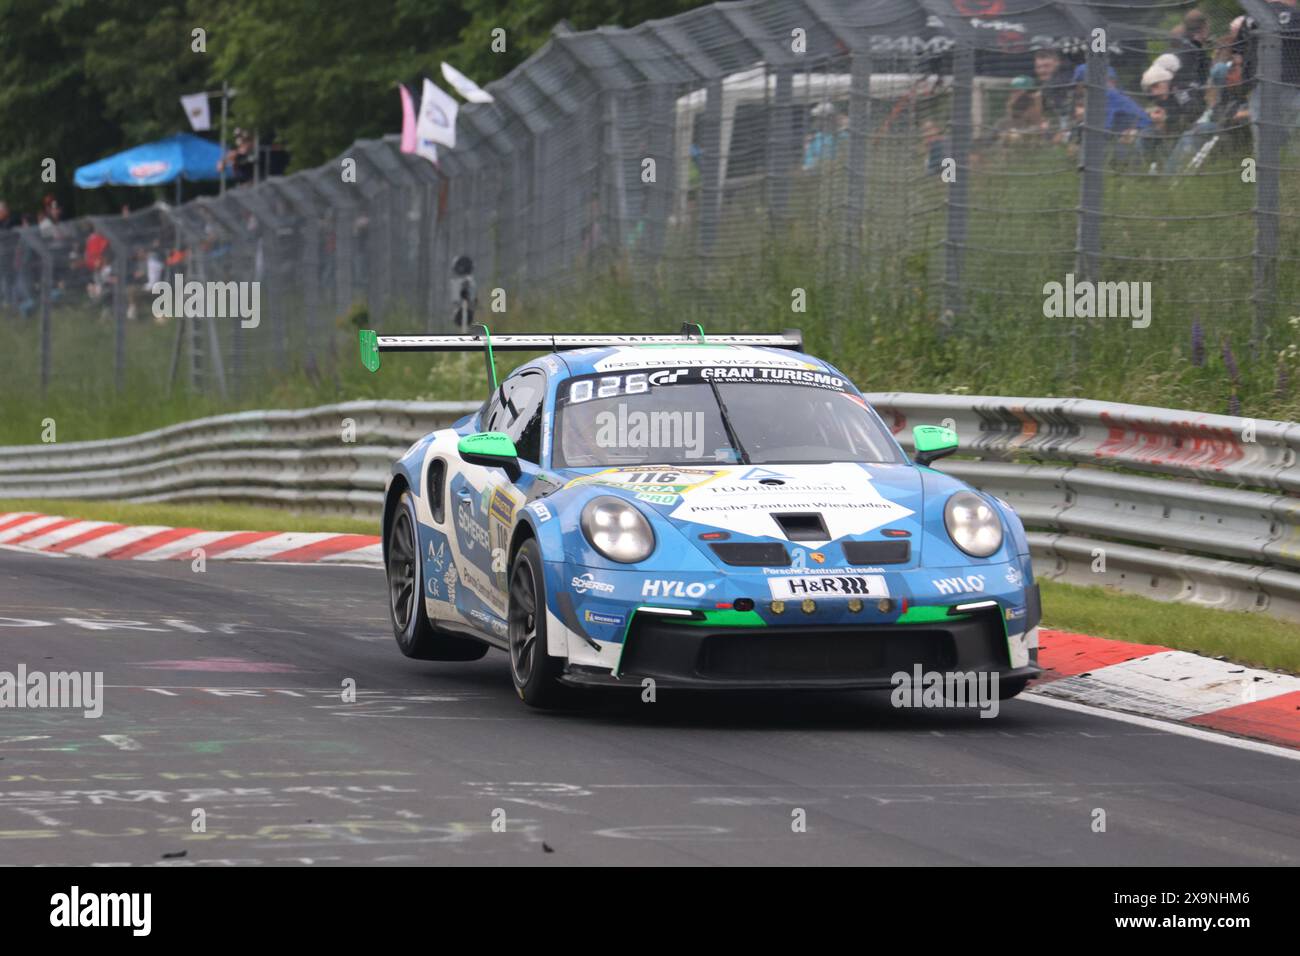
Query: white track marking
point(1153, 723)
point(1175, 685)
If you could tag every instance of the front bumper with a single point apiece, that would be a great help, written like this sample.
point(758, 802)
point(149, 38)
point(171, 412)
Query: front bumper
point(828, 657)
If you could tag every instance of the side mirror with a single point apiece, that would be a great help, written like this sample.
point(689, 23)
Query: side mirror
point(492, 450)
point(932, 443)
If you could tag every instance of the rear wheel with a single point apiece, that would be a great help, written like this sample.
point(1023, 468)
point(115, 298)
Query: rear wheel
point(416, 636)
point(536, 673)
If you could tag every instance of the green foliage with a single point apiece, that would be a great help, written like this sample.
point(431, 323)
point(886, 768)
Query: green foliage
point(82, 79)
point(1248, 638)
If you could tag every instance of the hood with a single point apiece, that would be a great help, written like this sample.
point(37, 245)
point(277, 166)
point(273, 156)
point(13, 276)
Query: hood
point(813, 511)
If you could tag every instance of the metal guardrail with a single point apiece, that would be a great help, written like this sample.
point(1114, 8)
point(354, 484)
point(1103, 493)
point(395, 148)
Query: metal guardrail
point(333, 458)
point(1173, 505)
point(1212, 530)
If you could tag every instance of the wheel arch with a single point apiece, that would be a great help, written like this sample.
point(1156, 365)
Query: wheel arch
point(392, 496)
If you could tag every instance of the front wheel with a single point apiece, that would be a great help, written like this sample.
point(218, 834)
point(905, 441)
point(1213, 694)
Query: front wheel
point(536, 673)
point(416, 635)
point(1012, 688)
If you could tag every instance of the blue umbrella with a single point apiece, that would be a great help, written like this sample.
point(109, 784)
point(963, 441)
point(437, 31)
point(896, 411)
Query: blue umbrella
point(181, 156)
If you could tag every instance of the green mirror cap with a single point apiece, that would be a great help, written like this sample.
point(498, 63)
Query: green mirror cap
point(492, 444)
point(933, 437)
point(370, 349)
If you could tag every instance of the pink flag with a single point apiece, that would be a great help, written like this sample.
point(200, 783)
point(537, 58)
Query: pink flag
point(408, 120)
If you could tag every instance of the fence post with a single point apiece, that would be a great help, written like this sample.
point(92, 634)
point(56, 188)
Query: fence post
point(34, 242)
point(1093, 158)
point(963, 70)
point(118, 245)
point(711, 166)
point(1269, 136)
point(855, 179)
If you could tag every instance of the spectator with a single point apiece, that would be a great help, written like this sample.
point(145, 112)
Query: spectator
point(1024, 115)
point(1056, 94)
point(1177, 112)
point(6, 218)
point(935, 145)
point(822, 145)
point(1186, 89)
point(97, 264)
point(1123, 115)
point(1227, 111)
point(1288, 27)
point(47, 219)
point(1190, 41)
point(240, 159)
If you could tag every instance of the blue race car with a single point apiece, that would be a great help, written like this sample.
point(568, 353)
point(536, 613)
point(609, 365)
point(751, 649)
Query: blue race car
point(720, 512)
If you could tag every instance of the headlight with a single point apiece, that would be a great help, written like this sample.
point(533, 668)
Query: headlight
point(972, 524)
point(617, 530)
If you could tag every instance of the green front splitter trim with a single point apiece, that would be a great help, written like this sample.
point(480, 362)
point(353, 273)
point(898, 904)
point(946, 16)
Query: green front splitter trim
point(923, 614)
point(729, 617)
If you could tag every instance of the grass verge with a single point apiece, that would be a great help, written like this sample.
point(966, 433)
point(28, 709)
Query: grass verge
point(1247, 638)
point(205, 517)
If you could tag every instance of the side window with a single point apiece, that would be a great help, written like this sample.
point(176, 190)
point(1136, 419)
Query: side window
point(523, 419)
point(491, 419)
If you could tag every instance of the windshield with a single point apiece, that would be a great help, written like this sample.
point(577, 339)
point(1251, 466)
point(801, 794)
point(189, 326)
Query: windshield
point(688, 417)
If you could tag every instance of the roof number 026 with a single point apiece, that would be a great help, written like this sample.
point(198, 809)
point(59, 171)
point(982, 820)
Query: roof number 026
point(610, 386)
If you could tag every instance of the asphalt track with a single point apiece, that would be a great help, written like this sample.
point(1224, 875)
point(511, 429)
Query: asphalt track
point(223, 693)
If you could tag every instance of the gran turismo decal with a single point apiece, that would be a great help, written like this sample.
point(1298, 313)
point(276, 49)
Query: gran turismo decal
point(794, 588)
point(783, 376)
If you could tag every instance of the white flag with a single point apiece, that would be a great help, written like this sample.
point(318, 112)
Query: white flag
point(463, 85)
point(437, 123)
point(196, 108)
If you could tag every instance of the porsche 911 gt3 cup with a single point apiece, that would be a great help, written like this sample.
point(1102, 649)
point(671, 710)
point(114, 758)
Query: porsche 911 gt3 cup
point(707, 512)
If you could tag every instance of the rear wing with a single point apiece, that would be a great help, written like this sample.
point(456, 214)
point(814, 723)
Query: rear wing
point(372, 343)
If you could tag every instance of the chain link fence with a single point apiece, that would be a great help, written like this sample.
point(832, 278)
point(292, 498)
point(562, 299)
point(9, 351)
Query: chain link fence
point(941, 162)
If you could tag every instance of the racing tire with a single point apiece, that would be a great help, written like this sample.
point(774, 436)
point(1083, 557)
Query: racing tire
point(404, 571)
point(534, 671)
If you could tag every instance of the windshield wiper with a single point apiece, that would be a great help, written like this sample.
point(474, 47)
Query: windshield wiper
point(726, 423)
